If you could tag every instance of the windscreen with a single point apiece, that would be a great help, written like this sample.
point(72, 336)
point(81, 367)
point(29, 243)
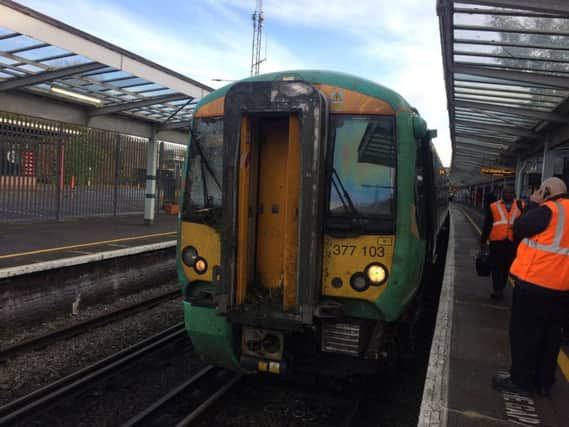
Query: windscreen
point(363, 170)
point(203, 189)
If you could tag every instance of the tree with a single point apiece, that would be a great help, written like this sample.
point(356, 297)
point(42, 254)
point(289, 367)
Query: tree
point(532, 51)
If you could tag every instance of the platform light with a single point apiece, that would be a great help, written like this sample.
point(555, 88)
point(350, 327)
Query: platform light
point(75, 95)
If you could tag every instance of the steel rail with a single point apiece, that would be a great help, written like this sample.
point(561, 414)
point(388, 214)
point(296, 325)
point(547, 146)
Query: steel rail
point(209, 401)
point(352, 415)
point(85, 326)
point(192, 384)
point(26, 405)
point(165, 399)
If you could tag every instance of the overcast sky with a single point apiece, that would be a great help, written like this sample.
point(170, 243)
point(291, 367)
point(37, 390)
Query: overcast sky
point(396, 46)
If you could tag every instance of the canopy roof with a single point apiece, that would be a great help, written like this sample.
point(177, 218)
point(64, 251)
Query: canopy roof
point(506, 65)
point(41, 55)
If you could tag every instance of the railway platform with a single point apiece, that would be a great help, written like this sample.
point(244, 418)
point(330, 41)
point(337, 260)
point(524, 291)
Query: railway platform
point(471, 343)
point(25, 247)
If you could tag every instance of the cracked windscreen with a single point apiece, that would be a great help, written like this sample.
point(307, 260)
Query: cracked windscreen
point(202, 197)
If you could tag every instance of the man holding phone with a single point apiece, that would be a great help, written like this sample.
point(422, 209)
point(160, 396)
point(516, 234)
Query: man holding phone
point(541, 294)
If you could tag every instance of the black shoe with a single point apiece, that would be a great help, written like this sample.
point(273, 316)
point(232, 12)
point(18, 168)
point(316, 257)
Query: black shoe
point(504, 382)
point(497, 295)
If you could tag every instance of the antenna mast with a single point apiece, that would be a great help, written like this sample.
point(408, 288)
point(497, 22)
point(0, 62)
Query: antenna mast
point(258, 18)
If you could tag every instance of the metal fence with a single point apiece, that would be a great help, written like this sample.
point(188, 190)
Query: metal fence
point(51, 170)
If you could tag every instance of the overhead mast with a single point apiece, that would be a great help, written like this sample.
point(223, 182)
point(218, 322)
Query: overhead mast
point(258, 18)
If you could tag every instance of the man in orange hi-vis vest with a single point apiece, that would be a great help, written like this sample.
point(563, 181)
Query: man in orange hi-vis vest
point(498, 229)
point(541, 294)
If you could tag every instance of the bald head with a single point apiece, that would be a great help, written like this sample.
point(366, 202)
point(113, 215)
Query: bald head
point(554, 186)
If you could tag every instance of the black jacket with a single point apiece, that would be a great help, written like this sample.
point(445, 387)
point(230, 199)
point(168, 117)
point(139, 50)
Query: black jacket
point(534, 219)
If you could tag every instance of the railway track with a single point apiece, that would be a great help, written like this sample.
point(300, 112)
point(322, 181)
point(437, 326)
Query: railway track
point(19, 410)
point(85, 326)
point(185, 403)
point(351, 419)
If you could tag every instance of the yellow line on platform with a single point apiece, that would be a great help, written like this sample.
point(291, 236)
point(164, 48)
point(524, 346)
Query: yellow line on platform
point(471, 221)
point(562, 358)
point(563, 361)
point(83, 245)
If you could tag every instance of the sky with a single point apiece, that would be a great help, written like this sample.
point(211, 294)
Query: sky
point(398, 47)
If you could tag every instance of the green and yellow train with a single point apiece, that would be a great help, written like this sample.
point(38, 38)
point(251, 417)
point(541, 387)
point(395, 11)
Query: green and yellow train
point(311, 208)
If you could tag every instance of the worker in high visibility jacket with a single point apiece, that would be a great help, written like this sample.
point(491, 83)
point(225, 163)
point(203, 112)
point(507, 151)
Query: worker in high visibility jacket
point(498, 229)
point(541, 293)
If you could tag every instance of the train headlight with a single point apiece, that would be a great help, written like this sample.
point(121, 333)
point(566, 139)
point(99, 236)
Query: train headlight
point(189, 256)
point(359, 282)
point(200, 266)
point(376, 273)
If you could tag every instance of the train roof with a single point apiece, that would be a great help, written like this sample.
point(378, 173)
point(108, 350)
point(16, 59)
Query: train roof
point(332, 78)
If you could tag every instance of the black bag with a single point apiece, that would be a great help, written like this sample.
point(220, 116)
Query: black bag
point(483, 265)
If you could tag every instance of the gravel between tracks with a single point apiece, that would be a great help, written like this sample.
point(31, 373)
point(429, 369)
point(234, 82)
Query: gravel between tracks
point(27, 372)
point(10, 336)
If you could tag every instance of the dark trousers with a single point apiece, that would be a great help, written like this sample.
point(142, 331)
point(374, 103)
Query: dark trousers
point(566, 326)
point(502, 254)
point(535, 334)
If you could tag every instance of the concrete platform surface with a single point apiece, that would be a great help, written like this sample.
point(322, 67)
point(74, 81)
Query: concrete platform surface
point(458, 389)
point(25, 244)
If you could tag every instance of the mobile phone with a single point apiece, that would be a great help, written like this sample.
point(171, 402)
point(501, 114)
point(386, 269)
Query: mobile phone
point(546, 193)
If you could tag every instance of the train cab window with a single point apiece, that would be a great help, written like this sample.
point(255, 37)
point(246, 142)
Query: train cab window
point(362, 179)
point(202, 198)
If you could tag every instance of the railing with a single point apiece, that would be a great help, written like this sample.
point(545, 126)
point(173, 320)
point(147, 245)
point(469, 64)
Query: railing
point(52, 170)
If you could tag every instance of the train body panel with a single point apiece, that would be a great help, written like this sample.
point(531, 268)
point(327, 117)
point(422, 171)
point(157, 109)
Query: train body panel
point(312, 204)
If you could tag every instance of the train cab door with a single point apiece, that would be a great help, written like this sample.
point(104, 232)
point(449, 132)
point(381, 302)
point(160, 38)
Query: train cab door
point(278, 181)
point(269, 199)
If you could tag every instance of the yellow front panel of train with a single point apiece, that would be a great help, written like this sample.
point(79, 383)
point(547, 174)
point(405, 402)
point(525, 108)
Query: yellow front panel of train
point(345, 256)
point(208, 245)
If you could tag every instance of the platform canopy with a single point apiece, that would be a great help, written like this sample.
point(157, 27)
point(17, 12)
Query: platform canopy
point(42, 56)
point(506, 65)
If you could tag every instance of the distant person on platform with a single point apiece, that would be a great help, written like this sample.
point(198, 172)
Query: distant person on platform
point(489, 199)
point(498, 229)
point(541, 294)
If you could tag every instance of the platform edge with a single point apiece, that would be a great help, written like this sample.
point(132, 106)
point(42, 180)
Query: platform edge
point(83, 259)
point(434, 403)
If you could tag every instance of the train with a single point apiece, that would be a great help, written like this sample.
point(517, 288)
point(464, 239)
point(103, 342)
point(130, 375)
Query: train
point(311, 209)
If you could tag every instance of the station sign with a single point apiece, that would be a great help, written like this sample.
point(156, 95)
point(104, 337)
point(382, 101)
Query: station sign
point(496, 172)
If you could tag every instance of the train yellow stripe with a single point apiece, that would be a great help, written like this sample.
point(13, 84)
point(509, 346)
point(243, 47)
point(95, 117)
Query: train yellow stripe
point(562, 359)
point(83, 245)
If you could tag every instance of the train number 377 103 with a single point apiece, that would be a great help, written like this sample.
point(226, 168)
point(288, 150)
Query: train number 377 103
point(352, 250)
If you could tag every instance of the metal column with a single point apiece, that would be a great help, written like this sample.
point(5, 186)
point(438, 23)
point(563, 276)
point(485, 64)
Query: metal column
point(518, 178)
point(548, 161)
point(151, 164)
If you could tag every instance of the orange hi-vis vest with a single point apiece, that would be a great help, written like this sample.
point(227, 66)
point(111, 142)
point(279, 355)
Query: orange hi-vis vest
point(543, 259)
point(502, 227)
